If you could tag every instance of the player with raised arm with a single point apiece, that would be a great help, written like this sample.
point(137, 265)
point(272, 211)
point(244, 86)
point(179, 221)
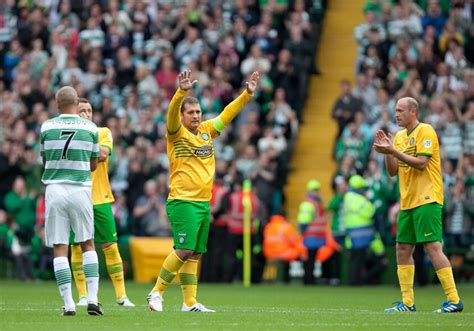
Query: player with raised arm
point(414, 157)
point(192, 167)
point(69, 147)
point(104, 221)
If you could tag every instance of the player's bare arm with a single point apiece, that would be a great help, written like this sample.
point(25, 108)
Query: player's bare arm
point(384, 145)
point(103, 153)
point(93, 164)
point(391, 163)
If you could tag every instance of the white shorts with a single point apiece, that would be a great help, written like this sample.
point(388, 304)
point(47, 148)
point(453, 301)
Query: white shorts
point(68, 207)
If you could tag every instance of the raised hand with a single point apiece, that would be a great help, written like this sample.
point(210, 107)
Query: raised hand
point(253, 82)
point(184, 80)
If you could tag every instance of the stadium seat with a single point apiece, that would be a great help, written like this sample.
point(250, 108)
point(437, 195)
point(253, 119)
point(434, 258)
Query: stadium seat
point(148, 254)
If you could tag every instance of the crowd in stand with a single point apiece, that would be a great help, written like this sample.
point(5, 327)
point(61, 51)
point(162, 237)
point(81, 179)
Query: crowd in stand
point(124, 56)
point(422, 49)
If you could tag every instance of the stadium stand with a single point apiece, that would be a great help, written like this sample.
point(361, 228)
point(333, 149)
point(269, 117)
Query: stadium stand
point(421, 49)
point(124, 56)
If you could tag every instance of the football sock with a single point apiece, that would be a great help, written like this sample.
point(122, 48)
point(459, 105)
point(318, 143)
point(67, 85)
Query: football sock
point(406, 275)
point(62, 272)
point(115, 269)
point(79, 277)
point(188, 280)
point(168, 271)
point(445, 276)
point(91, 270)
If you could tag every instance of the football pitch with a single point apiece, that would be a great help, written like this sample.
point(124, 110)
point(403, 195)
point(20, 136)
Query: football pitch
point(26, 306)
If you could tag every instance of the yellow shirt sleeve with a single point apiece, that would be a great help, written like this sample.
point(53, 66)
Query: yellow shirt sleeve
point(106, 139)
point(426, 142)
point(232, 109)
point(173, 120)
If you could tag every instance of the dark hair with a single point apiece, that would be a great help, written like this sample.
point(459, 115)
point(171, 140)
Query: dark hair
point(83, 100)
point(189, 101)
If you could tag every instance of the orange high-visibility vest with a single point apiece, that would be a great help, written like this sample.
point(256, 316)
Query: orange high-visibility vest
point(281, 241)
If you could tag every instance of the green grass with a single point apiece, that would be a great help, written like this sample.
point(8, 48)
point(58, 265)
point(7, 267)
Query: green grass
point(36, 307)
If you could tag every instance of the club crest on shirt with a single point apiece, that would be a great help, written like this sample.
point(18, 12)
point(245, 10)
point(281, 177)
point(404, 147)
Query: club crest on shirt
point(412, 141)
point(205, 136)
point(427, 143)
point(203, 150)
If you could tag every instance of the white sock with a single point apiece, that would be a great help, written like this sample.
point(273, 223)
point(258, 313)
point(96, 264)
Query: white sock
point(90, 264)
point(63, 275)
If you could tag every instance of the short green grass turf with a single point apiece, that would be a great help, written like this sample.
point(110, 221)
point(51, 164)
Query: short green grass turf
point(27, 306)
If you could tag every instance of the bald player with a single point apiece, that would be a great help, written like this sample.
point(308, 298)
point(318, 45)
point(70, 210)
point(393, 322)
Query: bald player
point(69, 147)
point(414, 156)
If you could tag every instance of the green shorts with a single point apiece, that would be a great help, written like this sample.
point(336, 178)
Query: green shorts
point(190, 222)
point(105, 230)
point(421, 224)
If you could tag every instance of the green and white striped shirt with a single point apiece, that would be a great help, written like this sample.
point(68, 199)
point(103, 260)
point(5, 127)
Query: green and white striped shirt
point(68, 143)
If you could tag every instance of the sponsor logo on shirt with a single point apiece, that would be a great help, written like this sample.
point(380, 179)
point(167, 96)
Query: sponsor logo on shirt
point(181, 237)
point(203, 151)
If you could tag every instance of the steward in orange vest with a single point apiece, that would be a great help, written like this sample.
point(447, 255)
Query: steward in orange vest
point(281, 241)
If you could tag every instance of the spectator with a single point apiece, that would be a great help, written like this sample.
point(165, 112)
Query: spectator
point(451, 135)
point(122, 56)
point(166, 76)
point(362, 31)
point(345, 107)
point(150, 213)
point(434, 16)
point(21, 204)
point(255, 61)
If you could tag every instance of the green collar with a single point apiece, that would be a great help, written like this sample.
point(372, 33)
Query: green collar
point(409, 133)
